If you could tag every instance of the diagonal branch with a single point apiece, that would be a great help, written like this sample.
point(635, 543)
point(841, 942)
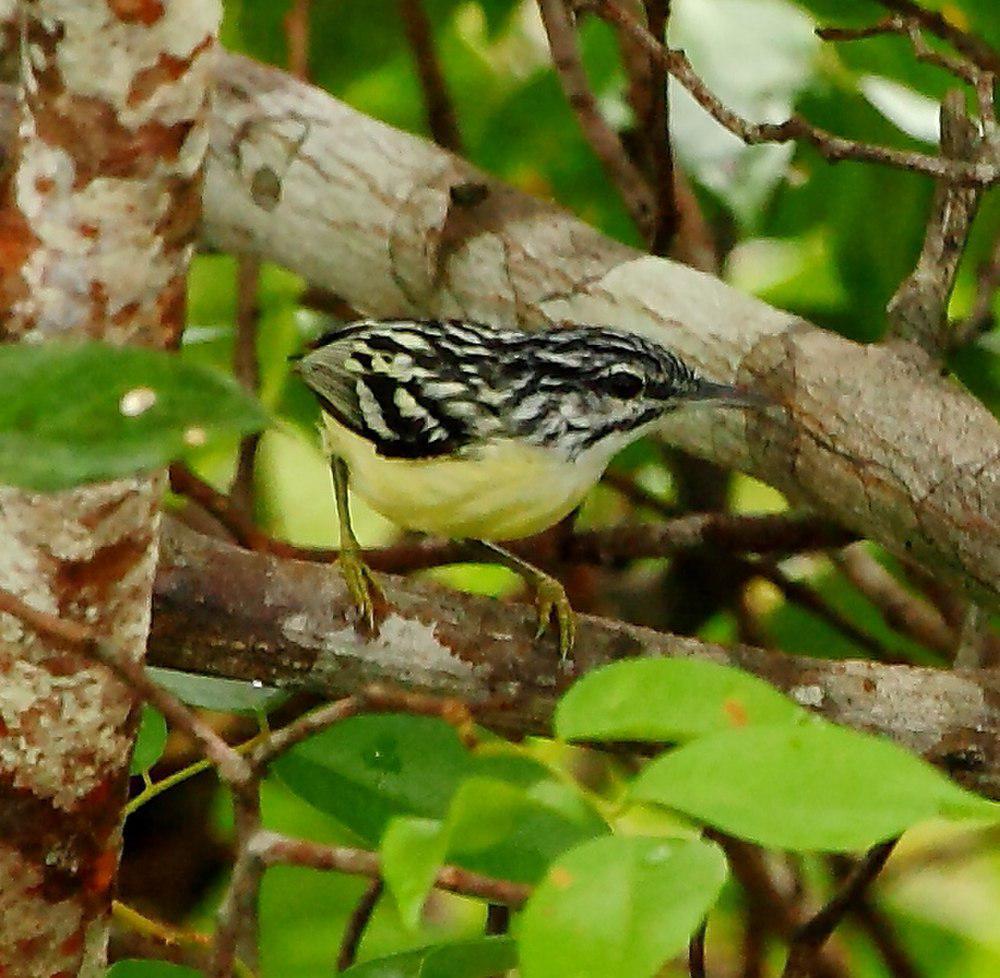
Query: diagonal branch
point(604, 141)
point(984, 173)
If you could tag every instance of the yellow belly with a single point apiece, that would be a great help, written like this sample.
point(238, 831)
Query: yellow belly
point(508, 490)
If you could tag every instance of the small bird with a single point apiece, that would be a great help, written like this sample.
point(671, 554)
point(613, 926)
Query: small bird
point(469, 431)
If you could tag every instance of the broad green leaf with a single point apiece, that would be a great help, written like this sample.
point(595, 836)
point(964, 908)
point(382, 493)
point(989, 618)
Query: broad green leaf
point(215, 693)
point(509, 831)
point(412, 850)
point(618, 906)
point(138, 968)
point(668, 700)
point(82, 412)
point(150, 741)
point(463, 959)
point(369, 769)
point(810, 787)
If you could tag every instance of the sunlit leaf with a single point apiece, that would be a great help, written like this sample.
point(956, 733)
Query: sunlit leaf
point(668, 700)
point(810, 787)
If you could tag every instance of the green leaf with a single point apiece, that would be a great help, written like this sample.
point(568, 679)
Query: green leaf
point(618, 906)
point(150, 741)
point(412, 851)
point(215, 693)
point(810, 787)
point(514, 832)
point(369, 769)
point(138, 968)
point(464, 959)
point(82, 412)
point(668, 700)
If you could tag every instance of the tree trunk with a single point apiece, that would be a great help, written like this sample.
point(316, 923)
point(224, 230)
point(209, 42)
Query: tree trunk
point(100, 201)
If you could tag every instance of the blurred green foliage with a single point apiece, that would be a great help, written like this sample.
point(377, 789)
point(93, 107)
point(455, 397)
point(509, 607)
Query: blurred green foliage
point(828, 242)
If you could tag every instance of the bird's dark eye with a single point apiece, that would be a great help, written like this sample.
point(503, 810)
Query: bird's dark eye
point(623, 384)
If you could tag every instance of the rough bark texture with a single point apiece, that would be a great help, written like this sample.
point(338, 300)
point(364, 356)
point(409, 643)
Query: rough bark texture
point(231, 612)
point(99, 202)
point(867, 435)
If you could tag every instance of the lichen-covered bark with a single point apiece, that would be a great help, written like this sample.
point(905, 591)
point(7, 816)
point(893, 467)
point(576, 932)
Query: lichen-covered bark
point(98, 207)
point(871, 436)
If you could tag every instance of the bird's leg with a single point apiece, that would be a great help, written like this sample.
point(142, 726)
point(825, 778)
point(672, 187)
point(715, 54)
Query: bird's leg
point(550, 596)
point(360, 581)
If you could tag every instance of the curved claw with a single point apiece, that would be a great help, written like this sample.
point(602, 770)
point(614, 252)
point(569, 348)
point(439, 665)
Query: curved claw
point(366, 592)
point(551, 596)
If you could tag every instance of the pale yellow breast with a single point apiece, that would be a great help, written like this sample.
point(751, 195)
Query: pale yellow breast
point(509, 490)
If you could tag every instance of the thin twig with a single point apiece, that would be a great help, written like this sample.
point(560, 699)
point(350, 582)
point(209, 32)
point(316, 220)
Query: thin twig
point(769, 533)
point(357, 923)
point(812, 935)
point(831, 147)
point(440, 111)
point(274, 850)
point(657, 131)
point(974, 48)
point(902, 610)
point(247, 371)
point(297, 38)
point(772, 909)
point(236, 919)
point(805, 597)
point(603, 140)
point(696, 952)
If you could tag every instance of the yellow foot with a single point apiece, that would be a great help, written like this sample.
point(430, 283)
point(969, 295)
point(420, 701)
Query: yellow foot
point(550, 596)
point(367, 593)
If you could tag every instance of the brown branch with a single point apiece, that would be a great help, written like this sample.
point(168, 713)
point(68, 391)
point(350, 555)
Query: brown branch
point(297, 38)
point(902, 610)
point(657, 126)
point(696, 952)
point(603, 140)
point(247, 371)
point(224, 611)
point(357, 923)
point(769, 533)
point(273, 849)
point(441, 119)
point(834, 148)
point(815, 932)
point(918, 310)
point(978, 51)
point(805, 597)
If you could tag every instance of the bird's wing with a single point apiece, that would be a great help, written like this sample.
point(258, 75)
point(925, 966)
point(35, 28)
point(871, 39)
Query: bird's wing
point(393, 394)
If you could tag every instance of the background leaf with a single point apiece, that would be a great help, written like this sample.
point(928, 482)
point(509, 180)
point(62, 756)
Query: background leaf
point(463, 959)
point(368, 769)
point(214, 693)
point(151, 740)
point(138, 968)
point(412, 851)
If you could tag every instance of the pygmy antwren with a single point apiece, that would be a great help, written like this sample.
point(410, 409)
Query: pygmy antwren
point(469, 431)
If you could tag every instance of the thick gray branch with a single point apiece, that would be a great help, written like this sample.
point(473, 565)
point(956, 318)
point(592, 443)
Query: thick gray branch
point(867, 435)
point(231, 612)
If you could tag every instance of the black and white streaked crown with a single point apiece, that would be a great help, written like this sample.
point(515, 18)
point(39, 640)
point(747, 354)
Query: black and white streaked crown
point(425, 389)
